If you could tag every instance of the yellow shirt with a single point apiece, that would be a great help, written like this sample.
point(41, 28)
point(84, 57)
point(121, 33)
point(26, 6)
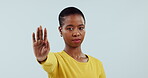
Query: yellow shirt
point(61, 65)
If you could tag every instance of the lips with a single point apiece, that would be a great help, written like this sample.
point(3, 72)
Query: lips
point(76, 40)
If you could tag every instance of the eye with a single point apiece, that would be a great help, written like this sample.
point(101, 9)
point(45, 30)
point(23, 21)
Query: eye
point(69, 28)
point(81, 28)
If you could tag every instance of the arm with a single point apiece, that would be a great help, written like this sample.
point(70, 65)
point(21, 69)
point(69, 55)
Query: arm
point(41, 50)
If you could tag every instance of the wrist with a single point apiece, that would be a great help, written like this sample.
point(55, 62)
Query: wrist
point(42, 59)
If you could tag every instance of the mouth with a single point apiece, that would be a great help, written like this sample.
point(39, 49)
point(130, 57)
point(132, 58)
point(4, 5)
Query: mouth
point(76, 40)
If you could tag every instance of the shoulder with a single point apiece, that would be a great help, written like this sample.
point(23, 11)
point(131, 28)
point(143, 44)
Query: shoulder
point(96, 62)
point(55, 54)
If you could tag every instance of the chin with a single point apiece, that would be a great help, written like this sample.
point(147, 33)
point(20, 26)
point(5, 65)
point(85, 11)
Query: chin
point(73, 45)
point(76, 46)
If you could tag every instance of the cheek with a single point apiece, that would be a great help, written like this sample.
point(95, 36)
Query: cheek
point(66, 35)
point(83, 33)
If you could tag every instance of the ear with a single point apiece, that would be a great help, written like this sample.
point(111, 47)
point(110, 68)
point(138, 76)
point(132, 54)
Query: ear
point(60, 29)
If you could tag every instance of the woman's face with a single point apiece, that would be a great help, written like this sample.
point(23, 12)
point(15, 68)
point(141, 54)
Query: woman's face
point(73, 30)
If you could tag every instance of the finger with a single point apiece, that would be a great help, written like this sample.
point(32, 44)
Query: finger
point(33, 37)
point(37, 34)
point(40, 33)
point(47, 44)
point(44, 50)
point(45, 34)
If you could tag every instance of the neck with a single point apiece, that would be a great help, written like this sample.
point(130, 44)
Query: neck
point(73, 51)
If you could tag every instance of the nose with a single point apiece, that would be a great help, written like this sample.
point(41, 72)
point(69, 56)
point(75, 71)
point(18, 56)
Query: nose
point(76, 33)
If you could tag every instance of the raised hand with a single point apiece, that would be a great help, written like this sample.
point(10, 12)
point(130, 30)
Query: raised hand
point(40, 45)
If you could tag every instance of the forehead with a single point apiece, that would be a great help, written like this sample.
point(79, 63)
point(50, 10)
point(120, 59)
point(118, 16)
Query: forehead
point(73, 19)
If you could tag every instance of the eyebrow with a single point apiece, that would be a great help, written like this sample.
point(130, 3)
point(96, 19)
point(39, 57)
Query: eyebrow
point(81, 25)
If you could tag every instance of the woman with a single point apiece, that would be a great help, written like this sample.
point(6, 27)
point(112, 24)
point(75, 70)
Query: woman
point(71, 62)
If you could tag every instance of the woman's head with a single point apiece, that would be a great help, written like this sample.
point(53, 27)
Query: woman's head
point(72, 26)
point(69, 11)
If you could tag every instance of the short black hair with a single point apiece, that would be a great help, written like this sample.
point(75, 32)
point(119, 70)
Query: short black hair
point(69, 11)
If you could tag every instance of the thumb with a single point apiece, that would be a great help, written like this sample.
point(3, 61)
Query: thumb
point(44, 50)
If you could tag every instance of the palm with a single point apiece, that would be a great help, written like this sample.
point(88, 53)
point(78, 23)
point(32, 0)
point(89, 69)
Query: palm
point(40, 44)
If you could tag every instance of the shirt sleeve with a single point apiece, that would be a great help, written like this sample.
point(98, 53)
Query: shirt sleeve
point(102, 75)
point(50, 63)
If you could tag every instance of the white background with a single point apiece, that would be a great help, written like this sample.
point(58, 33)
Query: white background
point(117, 34)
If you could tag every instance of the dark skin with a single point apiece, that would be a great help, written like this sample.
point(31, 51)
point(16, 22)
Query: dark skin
point(73, 33)
point(40, 45)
